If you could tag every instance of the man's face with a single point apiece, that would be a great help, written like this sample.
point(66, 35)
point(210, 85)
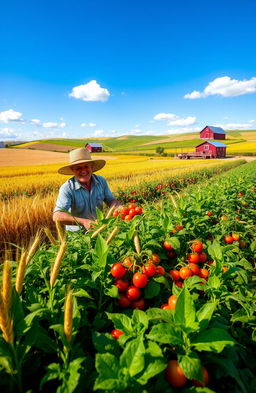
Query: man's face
point(83, 172)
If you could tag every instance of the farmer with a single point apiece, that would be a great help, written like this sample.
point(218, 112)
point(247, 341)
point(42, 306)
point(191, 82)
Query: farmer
point(81, 194)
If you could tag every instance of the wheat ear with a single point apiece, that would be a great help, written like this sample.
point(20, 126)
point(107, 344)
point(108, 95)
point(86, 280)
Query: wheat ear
point(110, 211)
point(5, 322)
point(112, 235)
point(68, 316)
point(60, 231)
point(136, 242)
point(50, 236)
point(20, 273)
point(57, 263)
point(100, 229)
point(7, 284)
point(33, 248)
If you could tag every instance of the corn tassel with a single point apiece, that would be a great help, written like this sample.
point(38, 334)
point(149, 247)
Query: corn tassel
point(112, 235)
point(57, 263)
point(20, 273)
point(7, 285)
point(68, 316)
point(136, 242)
point(5, 322)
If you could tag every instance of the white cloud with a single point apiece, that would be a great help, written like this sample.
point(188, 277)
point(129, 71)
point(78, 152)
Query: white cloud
point(51, 124)
point(37, 122)
point(88, 124)
point(99, 132)
point(7, 134)
point(90, 92)
point(238, 126)
point(10, 115)
point(165, 116)
point(225, 87)
point(175, 120)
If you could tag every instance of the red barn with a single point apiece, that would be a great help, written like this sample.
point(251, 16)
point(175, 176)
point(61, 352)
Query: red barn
point(94, 147)
point(210, 132)
point(217, 149)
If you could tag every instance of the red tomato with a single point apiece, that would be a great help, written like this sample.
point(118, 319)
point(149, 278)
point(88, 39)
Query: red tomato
point(117, 270)
point(155, 259)
point(205, 378)
point(185, 272)
point(175, 274)
point(194, 269)
point(132, 293)
point(115, 213)
point(132, 212)
point(235, 237)
point(116, 333)
point(127, 217)
point(139, 280)
point(172, 302)
point(240, 194)
point(174, 374)
point(138, 210)
point(149, 270)
point(140, 304)
point(160, 270)
point(197, 246)
point(124, 210)
point(179, 227)
point(167, 245)
point(179, 284)
point(128, 262)
point(209, 214)
point(203, 273)
point(228, 239)
point(122, 285)
point(223, 218)
point(122, 216)
point(123, 301)
point(165, 306)
point(193, 258)
point(202, 257)
point(131, 206)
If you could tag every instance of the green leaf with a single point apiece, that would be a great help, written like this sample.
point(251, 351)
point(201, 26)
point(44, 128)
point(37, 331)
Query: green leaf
point(82, 293)
point(214, 282)
point(184, 312)
point(155, 363)
point(157, 315)
point(140, 318)
point(204, 314)
point(104, 342)
point(101, 251)
point(174, 241)
point(73, 375)
point(133, 356)
point(121, 322)
point(213, 340)
point(191, 366)
point(108, 368)
point(53, 372)
point(112, 291)
point(215, 250)
point(151, 290)
point(166, 333)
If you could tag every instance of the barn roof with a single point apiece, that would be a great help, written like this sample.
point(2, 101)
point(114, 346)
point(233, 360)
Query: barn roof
point(217, 130)
point(214, 143)
point(94, 144)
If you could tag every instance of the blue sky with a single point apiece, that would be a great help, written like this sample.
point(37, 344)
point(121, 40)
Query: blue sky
point(143, 67)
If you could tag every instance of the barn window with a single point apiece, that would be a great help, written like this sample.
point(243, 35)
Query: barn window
point(206, 147)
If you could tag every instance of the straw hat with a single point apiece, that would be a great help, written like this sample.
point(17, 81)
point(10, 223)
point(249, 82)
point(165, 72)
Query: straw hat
point(81, 156)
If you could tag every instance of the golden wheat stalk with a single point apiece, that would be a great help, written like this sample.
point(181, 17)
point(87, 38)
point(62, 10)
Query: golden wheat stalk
point(68, 315)
point(173, 201)
point(50, 236)
point(20, 273)
point(60, 231)
point(112, 235)
point(100, 229)
point(110, 211)
point(57, 263)
point(136, 242)
point(7, 285)
point(33, 248)
point(5, 322)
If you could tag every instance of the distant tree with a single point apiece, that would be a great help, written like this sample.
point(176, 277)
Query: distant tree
point(160, 150)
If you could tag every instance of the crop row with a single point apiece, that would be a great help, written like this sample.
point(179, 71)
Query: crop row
point(120, 308)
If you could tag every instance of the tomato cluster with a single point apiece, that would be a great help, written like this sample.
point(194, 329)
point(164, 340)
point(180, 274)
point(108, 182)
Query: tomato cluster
point(128, 212)
point(192, 268)
point(130, 279)
point(177, 378)
point(229, 239)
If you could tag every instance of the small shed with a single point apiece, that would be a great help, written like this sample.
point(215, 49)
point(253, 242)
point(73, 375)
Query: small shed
point(210, 132)
point(94, 147)
point(217, 149)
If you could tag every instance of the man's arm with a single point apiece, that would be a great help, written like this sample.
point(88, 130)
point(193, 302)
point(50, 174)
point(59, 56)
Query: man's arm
point(67, 219)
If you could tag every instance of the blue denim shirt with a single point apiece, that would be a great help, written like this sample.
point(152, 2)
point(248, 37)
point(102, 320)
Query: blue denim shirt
point(82, 203)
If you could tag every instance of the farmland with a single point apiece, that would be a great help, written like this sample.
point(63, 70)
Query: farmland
point(104, 310)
